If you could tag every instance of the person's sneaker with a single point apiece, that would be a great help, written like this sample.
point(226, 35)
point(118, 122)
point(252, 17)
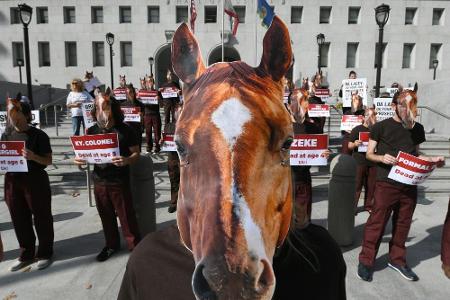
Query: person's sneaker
point(364, 272)
point(172, 208)
point(106, 253)
point(405, 271)
point(18, 264)
point(43, 263)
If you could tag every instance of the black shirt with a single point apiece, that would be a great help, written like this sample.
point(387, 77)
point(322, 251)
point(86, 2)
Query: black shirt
point(392, 137)
point(109, 173)
point(360, 157)
point(319, 122)
point(35, 140)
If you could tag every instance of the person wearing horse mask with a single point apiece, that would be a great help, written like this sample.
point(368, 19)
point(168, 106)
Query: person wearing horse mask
point(357, 109)
point(112, 180)
point(387, 138)
point(152, 117)
point(132, 101)
point(170, 104)
point(28, 195)
point(366, 170)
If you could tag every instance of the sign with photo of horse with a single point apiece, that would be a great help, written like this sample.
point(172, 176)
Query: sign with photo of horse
point(87, 117)
point(11, 157)
point(411, 169)
point(120, 93)
point(97, 148)
point(131, 114)
point(364, 138)
point(308, 149)
point(148, 97)
point(318, 110)
point(383, 108)
point(169, 92)
point(352, 86)
point(348, 122)
point(168, 144)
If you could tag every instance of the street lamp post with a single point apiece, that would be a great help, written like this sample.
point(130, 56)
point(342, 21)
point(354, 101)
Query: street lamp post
point(435, 63)
point(151, 61)
point(110, 41)
point(320, 41)
point(381, 17)
point(20, 65)
point(25, 13)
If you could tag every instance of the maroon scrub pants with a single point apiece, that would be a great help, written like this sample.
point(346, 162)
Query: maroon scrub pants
point(400, 199)
point(115, 200)
point(445, 256)
point(28, 197)
point(152, 123)
point(365, 177)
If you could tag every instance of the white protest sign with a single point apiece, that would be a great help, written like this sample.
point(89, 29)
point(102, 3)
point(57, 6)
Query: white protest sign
point(92, 84)
point(169, 92)
point(364, 138)
point(286, 97)
point(86, 108)
point(351, 86)
point(131, 114)
point(120, 93)
point(348, 122)
point(97, 148)
point(308, 149)
point(168, 144)
point(11, 158)
point(392, 91)
point(410, 169)
point(148, 97)
point(323, 94)
point(318, 110)
point(383, 108)
point(35, 120)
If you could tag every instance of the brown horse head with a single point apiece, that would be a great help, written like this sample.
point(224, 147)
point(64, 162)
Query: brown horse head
point(235, 200)
point(102, 111)
point(122, 81)
point(18, 113)
point(88, 75)
point(299, 104)
point(143, 83)
point(405, 102)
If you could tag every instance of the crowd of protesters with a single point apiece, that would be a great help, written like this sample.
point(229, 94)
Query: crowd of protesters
point(383, 197)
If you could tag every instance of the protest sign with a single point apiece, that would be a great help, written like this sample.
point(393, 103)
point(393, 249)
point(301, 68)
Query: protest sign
point(323, 94)
point(87, 117)
point(364, 138)
point(91, 84)
point(120, 93)
point(169, 92)
point(351, 86)
point(318, 110)
point(168, 144)
point(392, 91)
point(97, 148)
point(35, 120)
point(410, 169)
point(11, 157)
point(286, 97)
point(383, 108)
point(131, 114)
point(348, 122)
point(148, 97)
point(308, 149)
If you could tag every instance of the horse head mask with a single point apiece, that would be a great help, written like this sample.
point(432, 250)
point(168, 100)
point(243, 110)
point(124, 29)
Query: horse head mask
point(122, 81)
point(232, 136)
point(18, 113)
point(405, 102)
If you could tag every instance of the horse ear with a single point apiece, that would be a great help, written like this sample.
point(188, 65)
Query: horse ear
point(187, 61)
point(416, 87)
point(277, 52)
point(108, 91)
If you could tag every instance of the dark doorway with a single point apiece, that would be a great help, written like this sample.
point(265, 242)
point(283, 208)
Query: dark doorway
point(162, 64)
point(230, 54)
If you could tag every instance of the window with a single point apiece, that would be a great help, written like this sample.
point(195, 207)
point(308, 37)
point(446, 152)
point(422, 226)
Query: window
point(42, 15)
point(240, 11)
point(17, 52)
point(324, 51)
point(126, 56)
point(353, 14)
point(408, 56)
point(97, 14)
point(352, 55)
point(383, 55)
point(125, 14)
point(181, 14)
point(296, 14)
point(438, 16)
point(14, 15)
point(69, 14)
point(325, 15)
point(211, 14)
point(410, 16)
point(98, 54)
point(153, 14)
point(71, 54)
point(435, 53)
point(44, 54)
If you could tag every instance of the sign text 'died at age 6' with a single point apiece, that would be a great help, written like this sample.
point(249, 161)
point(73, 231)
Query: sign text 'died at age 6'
point(11, 157)
point(410, 169)
point(96, 149)
point(308, 149)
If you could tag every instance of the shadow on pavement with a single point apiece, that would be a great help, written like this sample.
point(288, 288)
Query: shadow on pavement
point(56, 218)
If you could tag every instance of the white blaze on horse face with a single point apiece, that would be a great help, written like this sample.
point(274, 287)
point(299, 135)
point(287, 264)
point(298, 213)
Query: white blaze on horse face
point(230, 117)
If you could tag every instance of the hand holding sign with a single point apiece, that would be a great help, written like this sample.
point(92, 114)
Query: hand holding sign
point(411, 170)
point(119, 161)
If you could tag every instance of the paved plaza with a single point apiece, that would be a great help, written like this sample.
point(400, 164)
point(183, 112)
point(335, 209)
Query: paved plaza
point(75, 274)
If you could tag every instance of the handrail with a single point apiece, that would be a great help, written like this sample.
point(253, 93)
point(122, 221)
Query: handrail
point(434, 111)
point(56, 102)
point(336, 109)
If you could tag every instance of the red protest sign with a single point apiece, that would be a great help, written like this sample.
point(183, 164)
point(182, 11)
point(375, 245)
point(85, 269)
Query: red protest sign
point(318, 110)
point(11, 157)
point(120, 93)
point(168, 144)
point(411, 169)
point(308, 149)
point(364, 138)
point(169, 92)
point(348, 122)
point(148, 97)
point(96, 149)
point(131, 114)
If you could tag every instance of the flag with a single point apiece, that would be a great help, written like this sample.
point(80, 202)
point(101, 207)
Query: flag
point(265, 12)
point(193, 11)
point(229, 10)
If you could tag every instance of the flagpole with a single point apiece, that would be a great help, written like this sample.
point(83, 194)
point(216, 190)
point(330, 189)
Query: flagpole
point(223, 28)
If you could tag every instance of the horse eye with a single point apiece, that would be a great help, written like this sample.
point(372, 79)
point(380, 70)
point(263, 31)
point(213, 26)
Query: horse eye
point(287, 144)
point(180, 149)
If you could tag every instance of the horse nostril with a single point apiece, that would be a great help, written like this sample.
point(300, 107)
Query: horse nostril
point(266, 278)
point(200, 285)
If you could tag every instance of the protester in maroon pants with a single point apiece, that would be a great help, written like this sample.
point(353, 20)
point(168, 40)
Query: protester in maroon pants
point(112, 180)
point(445, 256)
point(152, 118)
point(388, 137)
point(366, 170)
point(28, 195)
point(132, 101)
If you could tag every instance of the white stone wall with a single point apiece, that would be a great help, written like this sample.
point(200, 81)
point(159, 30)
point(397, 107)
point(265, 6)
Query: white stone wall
point(148, 39)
